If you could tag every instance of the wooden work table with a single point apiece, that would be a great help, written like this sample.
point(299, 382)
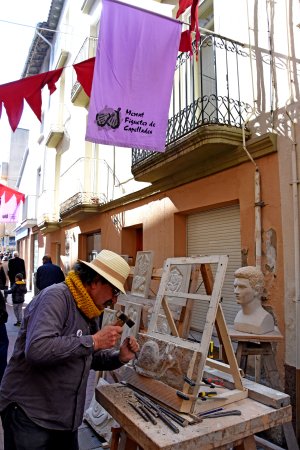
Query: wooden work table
point(216, 433)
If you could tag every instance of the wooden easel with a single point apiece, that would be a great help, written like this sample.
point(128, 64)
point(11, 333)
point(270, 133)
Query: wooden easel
point(215, 317)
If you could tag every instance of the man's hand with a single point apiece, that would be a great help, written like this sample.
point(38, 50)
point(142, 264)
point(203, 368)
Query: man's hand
point(107, 337)
point(128, 349)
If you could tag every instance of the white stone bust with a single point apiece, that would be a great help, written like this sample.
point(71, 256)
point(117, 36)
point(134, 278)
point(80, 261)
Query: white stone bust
point(248, 289)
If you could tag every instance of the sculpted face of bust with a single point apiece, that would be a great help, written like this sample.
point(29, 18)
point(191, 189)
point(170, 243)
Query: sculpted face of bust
point(248, 284)
point(243, 291)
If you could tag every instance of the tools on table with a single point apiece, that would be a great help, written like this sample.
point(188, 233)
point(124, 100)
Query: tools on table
point(233, 412)
point(139, 411)
point(207, 394)
point(150, 410)
point(219, 412)
point(165, 414)
point(211, 382)
point(203, 395)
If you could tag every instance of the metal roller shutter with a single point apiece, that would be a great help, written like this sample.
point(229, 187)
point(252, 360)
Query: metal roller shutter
point(216, 232)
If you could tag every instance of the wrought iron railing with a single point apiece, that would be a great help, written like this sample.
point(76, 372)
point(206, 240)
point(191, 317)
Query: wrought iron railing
point(206, 90)
point(82, 199)
point(87, 50)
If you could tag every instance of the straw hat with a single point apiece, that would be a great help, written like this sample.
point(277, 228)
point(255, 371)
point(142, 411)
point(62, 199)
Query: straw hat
point(112, 267)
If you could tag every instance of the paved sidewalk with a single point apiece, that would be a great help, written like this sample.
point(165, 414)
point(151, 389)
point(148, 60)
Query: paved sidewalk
point(88, 439)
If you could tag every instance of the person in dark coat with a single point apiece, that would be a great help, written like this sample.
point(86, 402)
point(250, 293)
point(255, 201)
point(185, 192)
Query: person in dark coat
point(18, 291)
point(43, 390)
point(3, 336)
point(16, 265)
point(48, 274)
point(2, 278)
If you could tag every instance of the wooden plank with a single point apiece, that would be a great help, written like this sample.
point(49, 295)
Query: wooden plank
point(266, 445)
point(211, 317)
point(226, 342)
point(169, 317)
point(123, 299)
point(207, 259)
point(262, 394)
point(157, 390)
point(210, 434)
point(208, 280)
point(229, 397)
point(200, 297)
point(290, 436)
point(175, 340)
point(219, 365)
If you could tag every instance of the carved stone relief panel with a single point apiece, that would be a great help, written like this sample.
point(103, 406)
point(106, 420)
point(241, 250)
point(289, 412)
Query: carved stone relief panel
point(142, 274)
point(109, 317)
point(166, 361)
point(133, 311)
point(178, 281)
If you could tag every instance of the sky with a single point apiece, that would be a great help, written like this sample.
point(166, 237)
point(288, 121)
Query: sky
point(15, 40)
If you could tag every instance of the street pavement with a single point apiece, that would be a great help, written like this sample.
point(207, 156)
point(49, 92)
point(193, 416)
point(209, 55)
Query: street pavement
point(88, 439)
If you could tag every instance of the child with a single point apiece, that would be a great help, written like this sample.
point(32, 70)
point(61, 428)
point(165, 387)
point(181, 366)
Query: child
point(18, 291)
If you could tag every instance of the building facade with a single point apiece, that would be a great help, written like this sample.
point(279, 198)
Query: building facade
point(227, 182)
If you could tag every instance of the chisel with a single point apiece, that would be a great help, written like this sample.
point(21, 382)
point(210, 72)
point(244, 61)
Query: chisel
point(139, 411)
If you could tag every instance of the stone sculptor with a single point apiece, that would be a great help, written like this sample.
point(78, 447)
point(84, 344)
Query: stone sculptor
point(248, 289)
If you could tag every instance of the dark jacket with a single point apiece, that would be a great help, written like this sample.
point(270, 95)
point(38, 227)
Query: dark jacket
point(17, 291)
point(16, 265)
point(3, 320)
point(48, 372)
point(48, 274)
point(2, 278)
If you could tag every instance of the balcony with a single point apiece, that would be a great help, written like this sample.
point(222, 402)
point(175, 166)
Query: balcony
point(87, 50)
point(47, 216)
point(84, 186)
point(206, 115)
point(55, 135)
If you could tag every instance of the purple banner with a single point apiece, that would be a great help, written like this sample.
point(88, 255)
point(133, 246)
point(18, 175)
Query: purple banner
point(133, 76)
point(9, 210)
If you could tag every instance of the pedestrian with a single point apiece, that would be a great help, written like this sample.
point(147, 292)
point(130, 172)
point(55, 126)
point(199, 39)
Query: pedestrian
point(16, 265)
point(2, 277)
point(42, 395)
point(5, 268)
point(48, 274)
point(18, 291)
point(3, 336)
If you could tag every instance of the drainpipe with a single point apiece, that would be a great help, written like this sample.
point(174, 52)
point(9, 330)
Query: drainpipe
point(258, 203)
point(295, 199)
point(294, 162)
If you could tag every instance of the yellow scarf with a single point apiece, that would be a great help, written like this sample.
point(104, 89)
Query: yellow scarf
point(81, 297)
